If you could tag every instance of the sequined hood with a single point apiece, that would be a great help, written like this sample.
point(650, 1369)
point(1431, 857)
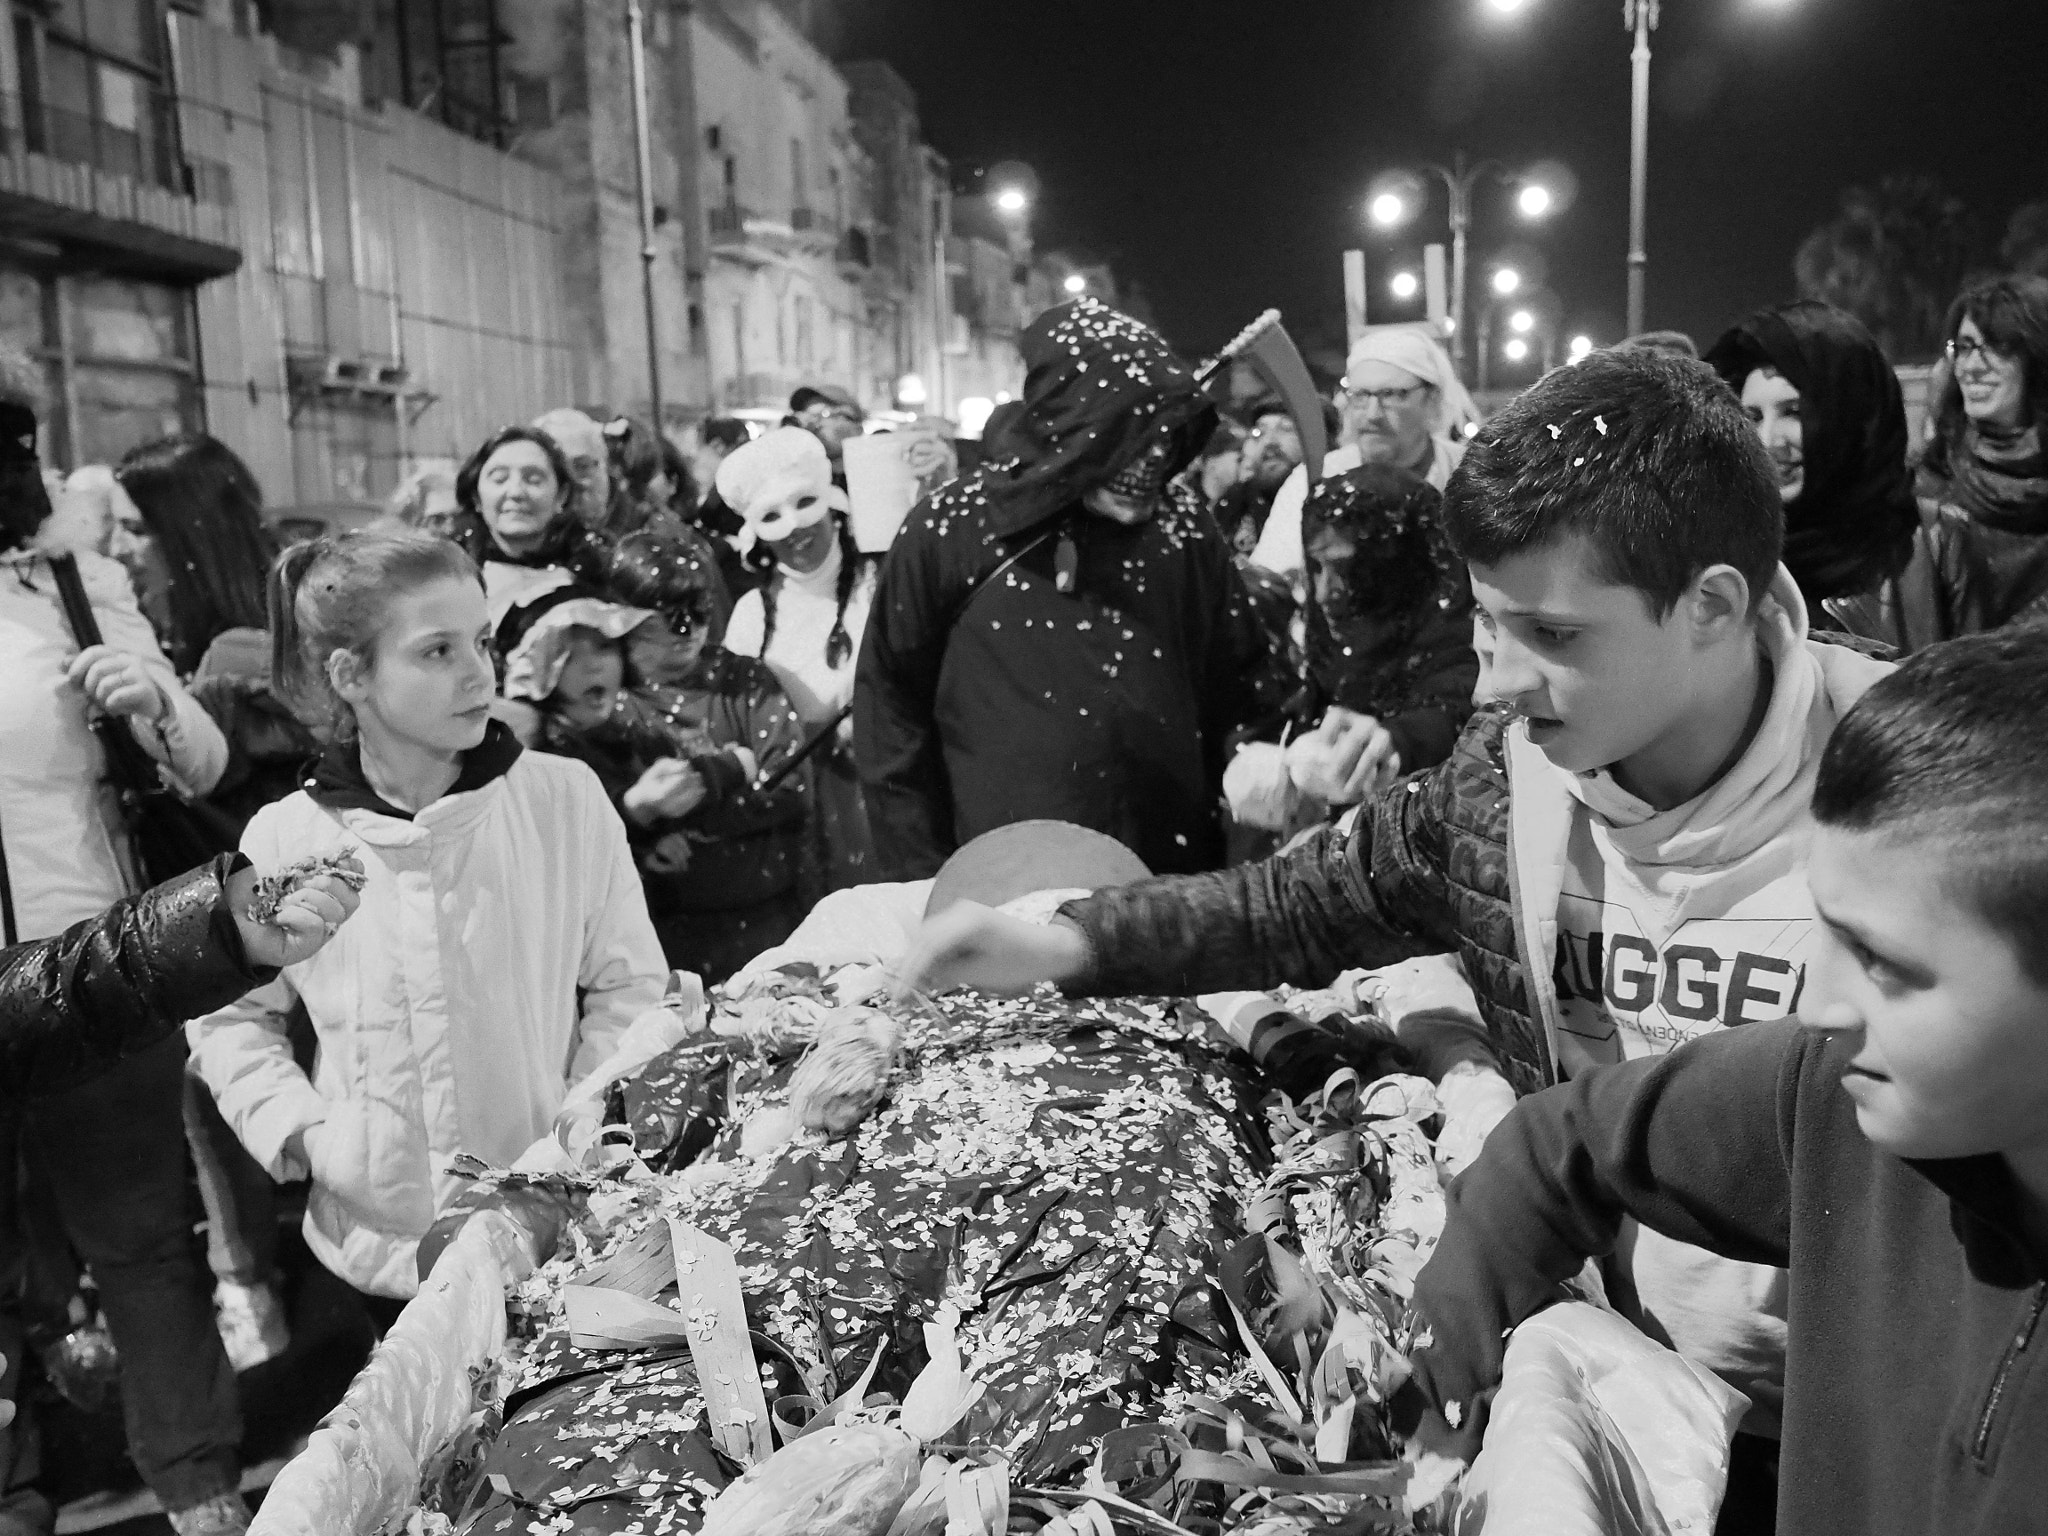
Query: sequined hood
point(1099, 389)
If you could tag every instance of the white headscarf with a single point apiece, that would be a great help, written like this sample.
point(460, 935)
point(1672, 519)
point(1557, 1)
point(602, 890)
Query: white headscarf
point(1413, 348)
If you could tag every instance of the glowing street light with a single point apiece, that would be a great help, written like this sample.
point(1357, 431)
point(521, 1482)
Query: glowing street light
point(1075, 284)
point(1507, 7)
point(1522, 321)
point(1581, 346)
point(1388, 209)
point(1012, 200)
point(1534, 200)
point(1515, 350)
point(1506, 280)
point(1405, 285)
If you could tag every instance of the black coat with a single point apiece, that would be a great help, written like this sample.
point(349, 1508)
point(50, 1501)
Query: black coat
point(102, 990)
point(1109, 706)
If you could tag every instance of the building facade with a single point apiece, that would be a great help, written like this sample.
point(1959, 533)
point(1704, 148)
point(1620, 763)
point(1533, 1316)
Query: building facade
point(345, 236)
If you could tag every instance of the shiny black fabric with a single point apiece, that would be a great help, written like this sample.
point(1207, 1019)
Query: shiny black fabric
point(1851, 526)
point(74, 1005)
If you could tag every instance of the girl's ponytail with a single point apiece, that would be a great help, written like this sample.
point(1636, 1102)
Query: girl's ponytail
point(329, 595)
point(287, 639)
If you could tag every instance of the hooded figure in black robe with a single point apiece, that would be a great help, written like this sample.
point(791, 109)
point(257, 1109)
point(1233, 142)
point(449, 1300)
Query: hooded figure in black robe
point(1029, 656)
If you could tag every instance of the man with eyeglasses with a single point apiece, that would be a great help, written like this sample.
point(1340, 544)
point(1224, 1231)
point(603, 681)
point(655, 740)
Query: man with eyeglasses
point(832, 416)
point(1402, 404)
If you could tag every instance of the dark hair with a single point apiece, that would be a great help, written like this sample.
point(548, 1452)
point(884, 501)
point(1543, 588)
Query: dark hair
point(330, 594)
point(472, 469)
point(205, 511)
point(1228, 437)
point(24, 499)
point(1647, 455)
point(667, 574)
point(2011, 312)
point(838, 644)
point(1259, 410)
point(728, 431)
point(1950, 746)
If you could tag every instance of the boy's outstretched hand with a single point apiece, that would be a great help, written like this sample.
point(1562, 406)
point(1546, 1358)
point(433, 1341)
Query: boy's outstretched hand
point(306, 919)
point(970, 945)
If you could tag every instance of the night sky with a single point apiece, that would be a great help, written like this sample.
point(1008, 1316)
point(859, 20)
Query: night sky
point(1219, 153)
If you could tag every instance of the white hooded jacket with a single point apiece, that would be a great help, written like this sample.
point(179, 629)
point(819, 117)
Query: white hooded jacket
point(502, 947)
point(1675, 923)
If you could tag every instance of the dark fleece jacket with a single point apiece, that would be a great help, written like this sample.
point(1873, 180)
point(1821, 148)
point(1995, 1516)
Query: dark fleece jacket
point(1916, 1397)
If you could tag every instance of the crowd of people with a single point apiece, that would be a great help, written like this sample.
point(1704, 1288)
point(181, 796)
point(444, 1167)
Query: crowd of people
point(1572, 715)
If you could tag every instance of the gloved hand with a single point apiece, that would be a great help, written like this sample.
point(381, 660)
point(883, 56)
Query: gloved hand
point(1258, 789)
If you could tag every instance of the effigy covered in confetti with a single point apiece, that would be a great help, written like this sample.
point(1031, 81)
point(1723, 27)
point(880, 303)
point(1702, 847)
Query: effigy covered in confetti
point(1084, 1202)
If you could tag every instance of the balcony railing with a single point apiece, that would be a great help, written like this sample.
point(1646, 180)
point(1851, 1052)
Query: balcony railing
point(146, 153)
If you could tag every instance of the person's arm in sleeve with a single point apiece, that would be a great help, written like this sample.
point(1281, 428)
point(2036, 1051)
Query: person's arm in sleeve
point(895, 735)
point(1334, 903)
point(772, 734)
point(184, 738)
point(1696, 1145)
point(74, 1005)
point(623, 971)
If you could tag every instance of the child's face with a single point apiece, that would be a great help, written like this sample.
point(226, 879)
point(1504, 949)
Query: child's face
point(430, 684)
point(1582, 660)
point(1953, 1058)
point(660, 655)
point(588, 689)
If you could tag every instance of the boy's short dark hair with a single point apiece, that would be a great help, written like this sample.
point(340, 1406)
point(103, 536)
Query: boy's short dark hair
point(1647, 455)
point(1951, 746)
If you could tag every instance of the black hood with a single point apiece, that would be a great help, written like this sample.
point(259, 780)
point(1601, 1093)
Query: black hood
point(1852, 524)
point(1099, 389)
point(335, 779)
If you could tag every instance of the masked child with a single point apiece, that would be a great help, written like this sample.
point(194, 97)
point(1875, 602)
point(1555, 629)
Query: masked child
point(806, 622)
point(1890, 1145)
point(503, 943)
point(1615, 850)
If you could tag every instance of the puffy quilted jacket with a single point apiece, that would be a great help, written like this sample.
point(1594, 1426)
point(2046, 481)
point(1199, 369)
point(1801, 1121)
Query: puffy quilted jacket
point(1427, 870)
point(103, 989)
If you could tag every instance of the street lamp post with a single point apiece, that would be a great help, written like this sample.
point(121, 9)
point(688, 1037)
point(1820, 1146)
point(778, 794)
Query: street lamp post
point(1641, 17)
point(1459, 178)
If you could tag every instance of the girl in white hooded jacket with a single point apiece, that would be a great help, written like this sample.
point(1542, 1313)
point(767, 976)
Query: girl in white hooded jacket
point(503, 943)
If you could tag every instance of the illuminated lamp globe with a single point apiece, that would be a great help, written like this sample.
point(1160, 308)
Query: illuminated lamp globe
point(1516, 350)
point(1533, 200)
point(1506, 281)
point(1388, 209)
point(1012, 200)
point(1075, 284)
point(1405, 285)
point(1581, 346)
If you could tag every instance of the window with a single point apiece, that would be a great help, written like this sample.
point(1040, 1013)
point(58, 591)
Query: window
point(117, 351)
point(92, 89)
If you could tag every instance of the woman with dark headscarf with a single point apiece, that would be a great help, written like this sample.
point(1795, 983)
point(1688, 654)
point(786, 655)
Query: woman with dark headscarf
point(1827, 405)
point(1062, 634)
point(1388, 625)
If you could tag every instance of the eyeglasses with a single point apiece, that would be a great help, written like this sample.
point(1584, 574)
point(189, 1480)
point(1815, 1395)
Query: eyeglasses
point(1965, 349)
point(1385, 399)
point(818, 415)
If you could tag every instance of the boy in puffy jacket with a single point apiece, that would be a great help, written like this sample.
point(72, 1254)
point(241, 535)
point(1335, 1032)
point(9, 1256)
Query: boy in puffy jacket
point(1888, 1144)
